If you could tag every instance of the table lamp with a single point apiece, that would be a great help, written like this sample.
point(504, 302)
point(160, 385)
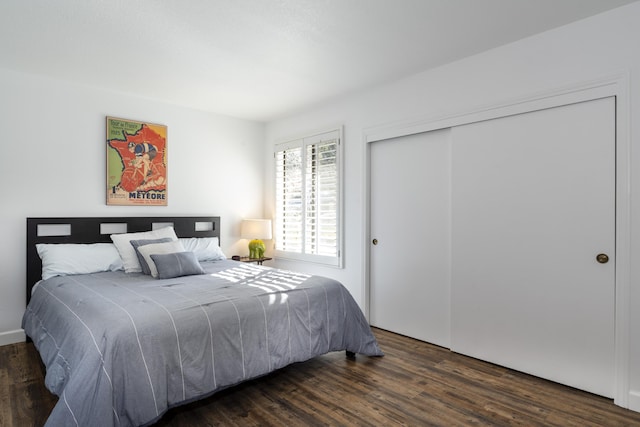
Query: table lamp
point(256, 230)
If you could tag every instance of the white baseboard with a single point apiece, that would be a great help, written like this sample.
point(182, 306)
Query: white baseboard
point(12, 337)
point(634, 400)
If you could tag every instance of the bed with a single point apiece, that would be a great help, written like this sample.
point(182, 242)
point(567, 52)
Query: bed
point(121, 348)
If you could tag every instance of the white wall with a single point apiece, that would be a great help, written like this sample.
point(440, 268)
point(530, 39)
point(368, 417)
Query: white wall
point(53, 163)
point(581, 52)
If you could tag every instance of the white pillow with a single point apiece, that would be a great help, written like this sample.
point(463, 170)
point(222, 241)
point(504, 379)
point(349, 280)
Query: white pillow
point(61, 259)
point(127, 251)
point(205, 248)
point(159, 249)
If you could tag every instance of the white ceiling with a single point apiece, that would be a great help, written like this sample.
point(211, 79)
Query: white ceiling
point(261, 59)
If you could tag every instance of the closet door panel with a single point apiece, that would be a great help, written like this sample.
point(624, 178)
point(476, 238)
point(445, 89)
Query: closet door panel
point(533, 204)
point(410, 218)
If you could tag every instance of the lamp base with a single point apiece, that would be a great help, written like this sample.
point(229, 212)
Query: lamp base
point(256, 249)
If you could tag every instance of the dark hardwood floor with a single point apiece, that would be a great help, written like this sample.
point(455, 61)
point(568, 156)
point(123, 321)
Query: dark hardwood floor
point(415, 384)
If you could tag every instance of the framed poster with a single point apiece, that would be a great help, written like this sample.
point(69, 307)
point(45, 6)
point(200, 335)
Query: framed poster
point(136, 163)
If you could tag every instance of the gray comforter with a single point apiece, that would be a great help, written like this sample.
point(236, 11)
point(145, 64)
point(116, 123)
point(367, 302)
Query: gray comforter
point(120, 349)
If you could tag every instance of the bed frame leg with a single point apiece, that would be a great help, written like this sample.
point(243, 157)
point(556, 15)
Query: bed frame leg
point(351, 355)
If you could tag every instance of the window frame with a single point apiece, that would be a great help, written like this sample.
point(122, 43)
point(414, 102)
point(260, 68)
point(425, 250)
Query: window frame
point(302, 142)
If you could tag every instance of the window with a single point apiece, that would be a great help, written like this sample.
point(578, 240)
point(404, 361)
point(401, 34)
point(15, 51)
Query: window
point(308, 192)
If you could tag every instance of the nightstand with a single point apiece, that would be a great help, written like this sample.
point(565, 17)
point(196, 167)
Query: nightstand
point(258, 261)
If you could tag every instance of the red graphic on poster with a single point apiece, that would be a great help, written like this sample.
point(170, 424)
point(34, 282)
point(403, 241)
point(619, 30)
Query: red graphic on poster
point(142, 155)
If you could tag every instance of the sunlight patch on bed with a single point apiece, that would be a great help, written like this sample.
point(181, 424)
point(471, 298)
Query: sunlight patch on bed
point(273, 282)
point(237, 274)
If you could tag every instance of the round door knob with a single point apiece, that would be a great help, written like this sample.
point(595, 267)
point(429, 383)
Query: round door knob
point(374, 241)
point(602, 258)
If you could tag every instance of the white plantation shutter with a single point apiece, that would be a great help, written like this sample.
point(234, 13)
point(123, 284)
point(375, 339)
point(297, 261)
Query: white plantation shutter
point(322, 198)
point(289, 200)
point(308, 198)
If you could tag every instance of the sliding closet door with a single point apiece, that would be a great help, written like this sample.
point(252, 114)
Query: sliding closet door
point(409, 251)
point(533, 220)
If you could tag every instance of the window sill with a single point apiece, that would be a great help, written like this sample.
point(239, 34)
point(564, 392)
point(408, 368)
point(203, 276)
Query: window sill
point(315, 259)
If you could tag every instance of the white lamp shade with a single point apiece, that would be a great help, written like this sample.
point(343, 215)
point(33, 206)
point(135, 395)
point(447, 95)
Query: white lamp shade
point(256, 229)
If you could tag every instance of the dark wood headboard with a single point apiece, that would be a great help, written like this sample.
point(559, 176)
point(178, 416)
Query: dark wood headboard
point(99, 229)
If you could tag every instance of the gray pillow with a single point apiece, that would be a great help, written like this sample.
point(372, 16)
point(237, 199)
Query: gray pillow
point(177, 264)
point(143, 242)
